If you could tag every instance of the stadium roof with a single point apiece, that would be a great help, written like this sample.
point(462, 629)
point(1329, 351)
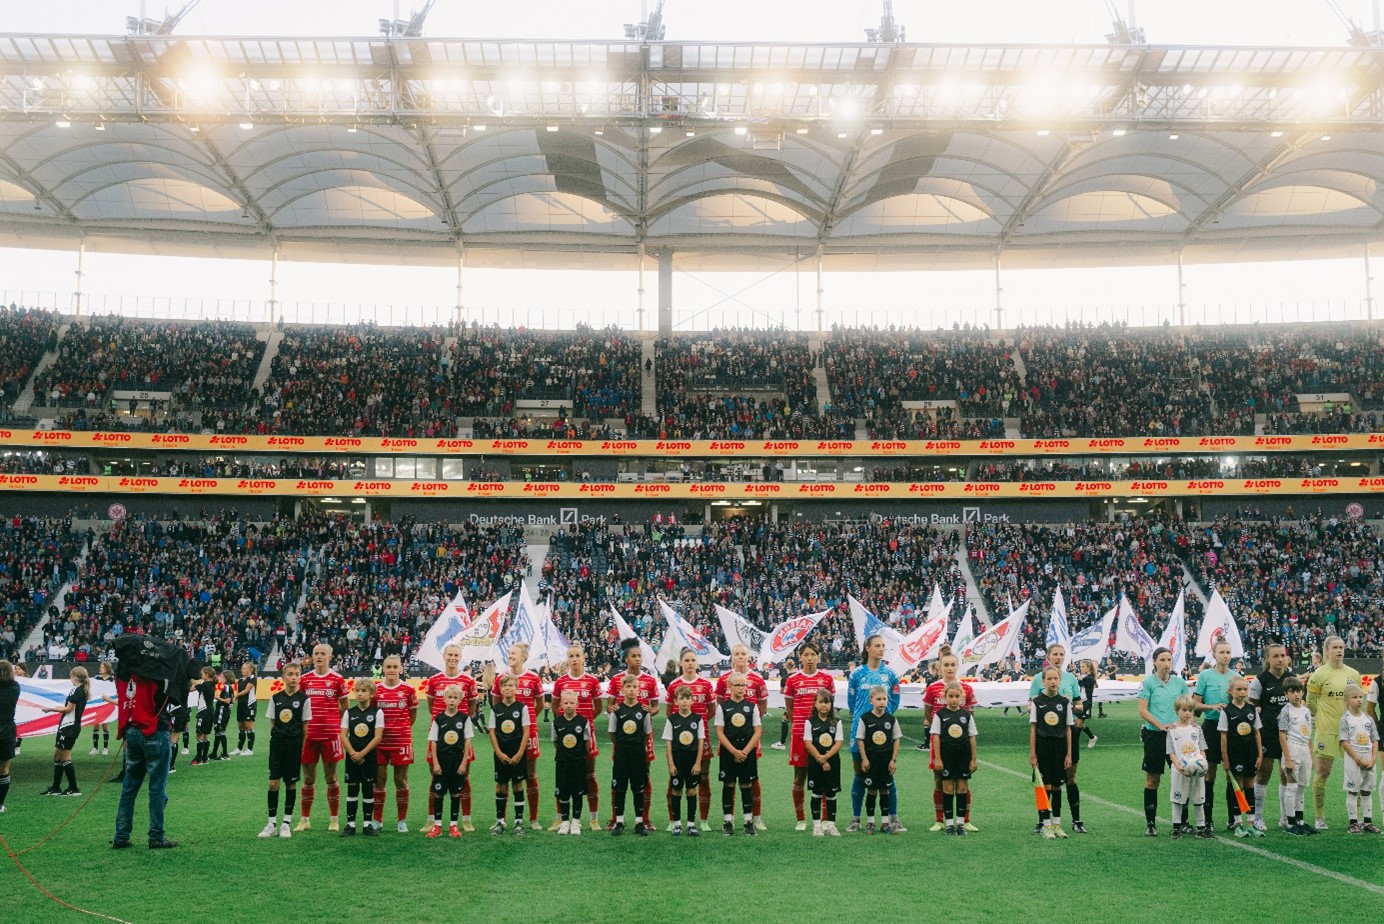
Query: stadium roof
point(559, 154)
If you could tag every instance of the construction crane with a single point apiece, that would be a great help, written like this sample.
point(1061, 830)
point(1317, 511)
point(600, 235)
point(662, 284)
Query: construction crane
point(889, 31)
point(649, 28)
point(143, 25)
point(1126, 33)
point(406, 28)
point(1359, 38)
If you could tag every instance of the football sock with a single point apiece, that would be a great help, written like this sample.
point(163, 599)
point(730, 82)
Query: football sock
point(433, 795)
point(466, 797)
point(250, 739)
point(334, 798)
point(352, 801)
point(728, 801)
point(1352, 810)
point(1074, 800)
point(309, 791)
point(1179, 813)
point(95, 736)
point(967, 812)
point(367, 800)
point(648, 801)
point(290, 795)
point(401, 800)
point(938, 799)
point(57, 775)
point(1045, 816)
point(703, 796)
point(1150, 805)
point(949, 807)
point(1261, 795)
point(4, 788)
point(783, 731)
point(518, 806)
point(273, 806)
point(71, 774)
point(106, 739)
point(593, 792)
point(500, 799)
point(798, 800)
point(694, 803)
point(817, 809)
point(456, 808)
point(576, 809)
point(240, 740)
point(1287, 802)
point(747, 801)
point(1210, 800)
point(857, 794)
point(893, 799)
point(870, 805)
point(670, 799)
point(754, 789)
point(640, 806)
point(1252, 798)
point(617, 803)
point(1232, 807)
point(831, 808)
point(1056, 798)
point(963, 806)
point(1200, 807)
point(1319, 795)
point(531, 789)
point(378, 808)
point(172, 759)
point(674, 806)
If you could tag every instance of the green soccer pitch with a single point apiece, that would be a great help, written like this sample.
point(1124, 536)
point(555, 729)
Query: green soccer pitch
point(222, 872)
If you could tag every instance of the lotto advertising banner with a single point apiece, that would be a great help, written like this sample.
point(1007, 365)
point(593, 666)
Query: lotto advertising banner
point(961, 491)
point(690, 448)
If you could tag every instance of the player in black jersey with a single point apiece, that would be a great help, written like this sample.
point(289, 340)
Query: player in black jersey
point(245, 703)
point(69, 730)
point(1241, 749)
point(206, 708)
point(362, 727)
point(221, 715)
point(630, 729)
point(1050, 747)
point(1267, 693)
point(738, 730)
point(290, 710)
point(509, 736)
point(684, 733)
point(878, 733)
point(822, 740)
point(448, 737)
point(572, 736)
point(953, 735)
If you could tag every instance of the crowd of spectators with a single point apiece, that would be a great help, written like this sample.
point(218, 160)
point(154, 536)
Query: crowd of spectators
point(527, 427)
point(1113, 381)
point(1295, 581)
point(25, 335)
point(875, 370)
point(941, 424)
point(1092, 563)
point(203, 364)
point(221, 587)
point(378, 586)
point(37, 556)
point(1339, 421)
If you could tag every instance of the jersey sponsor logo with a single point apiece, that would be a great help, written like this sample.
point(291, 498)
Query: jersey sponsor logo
point(738, 720)
point(685, 737)
point(569, 740)
point(629, 726)
point(879, 737)
point(507, 726)
point(451, 737)
point(954, 731)
point(1050, 718)
point(361, 730)
point(824, 740)
point(285, 715)
point(1243, 728)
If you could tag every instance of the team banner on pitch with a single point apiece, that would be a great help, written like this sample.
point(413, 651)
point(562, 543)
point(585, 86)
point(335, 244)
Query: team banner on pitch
point(782, 640)
point(1093, 642)
point(739, 631)
point(30, 719)
point(995, 644)
point(477, 641)
point(450, 623)
point(681, 634)
point(1219, 625)
point(1174, 636)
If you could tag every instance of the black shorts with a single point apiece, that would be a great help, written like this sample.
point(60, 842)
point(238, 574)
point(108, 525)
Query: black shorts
point(363, 772)
point(204, 721)
point(178, 718)
point(7, 740)
point(67, 737)
point(512, 773)
point(286, 759)
point(1212, 733)
point(683, 777)
point(824, 782)
point(569, 782)
point(629, 768)
point(245, 713)
point(1272, 748)
point(451, 780)
point(1052, 758)
point(1156, 758)
point(1240, 761)
point(956, 764)
point(878, 776)
point(743, 773)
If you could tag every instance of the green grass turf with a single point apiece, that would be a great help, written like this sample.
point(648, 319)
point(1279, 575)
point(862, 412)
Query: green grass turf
point(223, 872)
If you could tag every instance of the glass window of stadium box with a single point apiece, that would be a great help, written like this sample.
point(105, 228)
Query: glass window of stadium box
point(540, 471)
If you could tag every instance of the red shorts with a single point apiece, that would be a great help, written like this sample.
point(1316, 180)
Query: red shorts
point(706, 752)
point(797, 752)
point(401, 756)
point(649, 748)
point(329, 750)
point(592, 749)
point(533, 744)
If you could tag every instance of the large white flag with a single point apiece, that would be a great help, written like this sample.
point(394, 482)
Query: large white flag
point(782, 640)
point(868, 624)
point(549, 646)
point(1059, 632)
point(996, 643)
point(1092, 643)
point(965, 630)
point(624, 631)
point(740, 631)
point(477, 641)
point(1219, 624)
point(526, 627)
point(450, 623)
point(681, 634)
point(1174, 637)
point(922, 644)
point(1129, 632)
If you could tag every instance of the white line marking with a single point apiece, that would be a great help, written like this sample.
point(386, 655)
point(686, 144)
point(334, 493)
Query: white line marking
point(1258, 851)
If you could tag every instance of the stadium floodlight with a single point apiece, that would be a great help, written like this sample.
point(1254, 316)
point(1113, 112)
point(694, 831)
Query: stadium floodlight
point(552, 128)
point(1118, 133)
point(99, 126)
point(1173, 136)
point(1043, 132)
point(691, 134)
point(1326, 137)
point(194, 128)
point(1276, 134)
point(800, 131)
point(741, 130)
point(655, 129)
point(246, 126)
point(63, 123)
point(479, 127)
point(876, 131)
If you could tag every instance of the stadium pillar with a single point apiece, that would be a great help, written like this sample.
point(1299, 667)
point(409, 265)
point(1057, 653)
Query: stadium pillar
point(639, 266)
point(81, 259)
point(1369, 286)
point(275, 312)
point(665, 290)
point(461, 271)
point(999, 292)
point(821, 316)
point(1181, 293)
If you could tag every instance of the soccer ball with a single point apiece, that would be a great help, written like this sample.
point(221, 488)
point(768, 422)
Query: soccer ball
point(1194, 764)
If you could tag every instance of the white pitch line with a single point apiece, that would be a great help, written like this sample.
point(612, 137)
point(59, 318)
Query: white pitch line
point(1258, 851)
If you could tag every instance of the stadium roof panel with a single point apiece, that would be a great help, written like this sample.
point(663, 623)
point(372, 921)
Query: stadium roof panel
point(528, 152)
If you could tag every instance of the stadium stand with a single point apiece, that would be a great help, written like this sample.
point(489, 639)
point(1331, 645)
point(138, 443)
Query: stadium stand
point(37, 556)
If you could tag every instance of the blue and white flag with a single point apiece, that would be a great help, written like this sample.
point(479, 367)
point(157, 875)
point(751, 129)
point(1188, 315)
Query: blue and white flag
point(450, 624)
point(525, 627)
point(1058, 631)
point(682, 635)
point(1129, 632)
point(1093, 642)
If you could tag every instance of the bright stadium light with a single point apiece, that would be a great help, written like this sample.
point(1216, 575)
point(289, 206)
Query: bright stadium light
point(246, 126)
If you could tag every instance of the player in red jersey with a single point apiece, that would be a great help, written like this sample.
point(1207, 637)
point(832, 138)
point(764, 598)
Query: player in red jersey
point(934, 698)
point(328, 692)
point(530, 693)
point(703, 702)
point(799, 694)
point(757, 692)
point(452, 675)
point(399, 703)
point(648, 697)
point(589, 704)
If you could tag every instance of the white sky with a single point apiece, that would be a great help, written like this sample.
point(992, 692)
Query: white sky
point(1241, 292)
